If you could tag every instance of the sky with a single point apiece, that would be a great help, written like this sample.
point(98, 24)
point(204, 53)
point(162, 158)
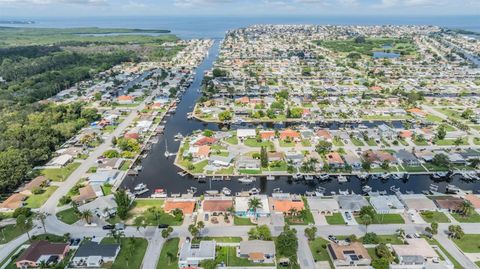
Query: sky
point(61, 8)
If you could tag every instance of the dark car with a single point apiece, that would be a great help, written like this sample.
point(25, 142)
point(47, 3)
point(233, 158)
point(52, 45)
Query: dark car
point(108, 227)
point(163, 226)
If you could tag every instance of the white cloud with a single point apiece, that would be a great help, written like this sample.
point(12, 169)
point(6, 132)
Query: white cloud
point(190, 3)
point(48, 2)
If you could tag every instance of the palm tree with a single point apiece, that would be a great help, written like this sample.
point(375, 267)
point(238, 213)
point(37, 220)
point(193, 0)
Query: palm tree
point(86, 215)
point(366, 220)
point(467, 208)
point(401, 233)
point(42, 216)
point(254, 204)
point(293, 211)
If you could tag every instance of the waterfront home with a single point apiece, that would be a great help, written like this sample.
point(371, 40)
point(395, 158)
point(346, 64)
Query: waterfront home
point(335, 160)
point(242, 208)
point(449, 203)
point(257, 251)
point(322, 206)
point(378, 157)
point(247, 162)
point(387, 204)
point(42, 251)
point(352, 202)
point(216, 205)
point(296, 158)
point(470, 154)
point(348, 255)
point(324, 135)
point(289, 134)
point(425, 155)
point(104, 177)
point(275, 156)
point(456, 158)
point(246, 133)
point(110, 163)
point(220, 161)
point(203, 141)
point(407, 158)
point(125, 100)
point(286, 203)
point(417, 202)
point(103, 206)
point(386, 131)
point(199, 153)
point(94, 255)
point(191, 255)
point(267, 135)
point(13, 202)
point(352, 160)
point(187, 206)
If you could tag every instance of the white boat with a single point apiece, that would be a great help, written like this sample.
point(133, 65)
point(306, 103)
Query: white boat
point(138, 168)
point(308, 177)
point(342, 178)
point(394, 189)
point(386, 176)
point(277, 190)
point(323, 176)
point(345, 192)
point(362, 176)
point(159, 193)
point(211, 192)
point(191, 190)
point(226, 191)
point(254, 191)
point(366, 189)
point(178, 136)
point(438, 175)
point(216, 179)
point(247, 179)
point(139, 192)
point(319, 191)
point(140, 187)
point(182, 173)
point(270, 177)
point(296, 176)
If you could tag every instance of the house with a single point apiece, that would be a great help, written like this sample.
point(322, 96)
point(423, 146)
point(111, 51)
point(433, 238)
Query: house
point(378, 157)
point(246, 133)
point(267, 135)
point(416, 252)
point(60, 161)
point(104, 177)
point(425, 155)
point(387, 204)
point(324, 135)
point(352, 202)
point(326, 207)
point(187, 206)
point(110, 164)
point(191, 255)
point(386, 131)
point(94, 255)
point(289, 134)
point(417, 202)
point(86, 194)
point(275, 156)
point(296, 158)
point(345, 255)
point(335, 160)
point(13, 202)
point(104, 206)
point(449, 203)
point(257, 251)
point(125, 100)
point(456, 158)
point(217, 204)
point(286, 203)
point(201, 152)
point(417, 112)
point(219, 160)
point(407, 158)
point(352, 160)
point(246, 162)
point(42, 251)
point(473, 199)
point(205, 141)
point(34, 184)
point(242, 208)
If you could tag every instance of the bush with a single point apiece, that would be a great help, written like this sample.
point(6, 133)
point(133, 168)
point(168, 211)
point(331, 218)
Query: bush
point(22, 211)
point(370, 238)
point(65, 200)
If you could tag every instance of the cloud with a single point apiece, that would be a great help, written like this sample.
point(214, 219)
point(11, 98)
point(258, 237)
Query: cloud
point(49, 2)
point(190, 3)
point(409, 3)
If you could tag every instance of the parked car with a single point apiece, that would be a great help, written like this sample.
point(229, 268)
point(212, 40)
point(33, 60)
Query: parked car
point(163, 226)
point(120, 226)
point(332, 238)
point(108, 227)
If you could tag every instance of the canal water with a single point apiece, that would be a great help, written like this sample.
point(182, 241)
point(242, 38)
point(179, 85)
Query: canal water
point(159, 172)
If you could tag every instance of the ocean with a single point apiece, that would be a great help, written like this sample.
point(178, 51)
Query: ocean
point(215, 26)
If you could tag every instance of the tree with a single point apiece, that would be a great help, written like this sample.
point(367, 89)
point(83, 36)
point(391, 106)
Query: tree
point(287, 243)
point(366, 165)
point(41, 216)
point(193, 230)
point(323, 147)
point(467, 209)
point(401, 233)
point(116, 234)
point(200, 226)
point(434, 227)
point(441, 160)
point(441, 133)
point(24, 224)
point(225, 115)
point(86, 215)
point(381, 263)
point(385, 165)
point(366, 220)
point(310, 233)
point(123, 203)
point(383, 252)
point(254, 204)
point(456, 231)
point(166, 232)
point(263, 157)
point(208, 264)
point(370, 238)
point(261, 232)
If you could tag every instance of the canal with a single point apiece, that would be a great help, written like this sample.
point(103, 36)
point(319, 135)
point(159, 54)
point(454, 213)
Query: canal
point(159, 172)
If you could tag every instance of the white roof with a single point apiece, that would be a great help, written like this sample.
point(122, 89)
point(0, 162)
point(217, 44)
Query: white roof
point(415, 246)
point(383, 203)
point(241, 204)
point(61, 160)
point(321, 204)
point(246, 133)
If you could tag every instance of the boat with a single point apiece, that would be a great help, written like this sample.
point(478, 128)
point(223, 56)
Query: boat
point(211, 192)
point(319, 191)
point(277, 190)
point(394, 189)
point(296, 176)
point(308, 177)
point(182, 173)
point(247, 179)
point(159, 193)
point(452, 189)
point(226, 191)
point(191, 190)
point(178, 136)
point(345, 192)
point(270, 177)
point(310, 193)
point(366, 189)
point(201, 178)
point(138, 168)
point(216, 179)
point(254, 191)
point(385, 176)
point(362, 176)
point(140, 187)
point(342, 178)
point(323, 176)
point(397, 175)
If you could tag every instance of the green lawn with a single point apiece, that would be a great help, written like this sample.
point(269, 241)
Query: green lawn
point(107, 189)
point(198, 167)
point(252, 142)
point(410, 168)
point(335, 219)
point(228, 255)
point(371, 142)
point(372, 252)
point(242, 221)
point(11, 264)
point(357, 142)
point(433, 118)
point(474, 217)
point(68, 216)
point(127, 259)
point(9, 233)
point(318, 247)
point(434, 216)
point(37, 200)
point(125, 165)
point(166, 261)
point(232, 140)
point(146, 203)
point(385, 219)
point(60, 174)
point(450, 257)
point(450, 142)
point(338, 142)
point(470, 243)
point(287, 144)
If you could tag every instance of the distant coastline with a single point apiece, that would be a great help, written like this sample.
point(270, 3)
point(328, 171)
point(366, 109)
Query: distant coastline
point(17, 22)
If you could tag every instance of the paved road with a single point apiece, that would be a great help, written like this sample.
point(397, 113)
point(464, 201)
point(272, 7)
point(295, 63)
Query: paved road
point(454, 251)
point(52, 202)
